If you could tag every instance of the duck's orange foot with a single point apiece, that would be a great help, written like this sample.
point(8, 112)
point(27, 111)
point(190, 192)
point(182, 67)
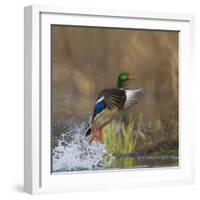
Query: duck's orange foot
point(100, 135)
point(93, 136)
point(96, 136)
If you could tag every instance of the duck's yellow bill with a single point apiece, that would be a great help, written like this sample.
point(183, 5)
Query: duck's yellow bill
point(131, 77)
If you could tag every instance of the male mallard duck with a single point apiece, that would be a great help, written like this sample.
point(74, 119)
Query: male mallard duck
point(110, 104)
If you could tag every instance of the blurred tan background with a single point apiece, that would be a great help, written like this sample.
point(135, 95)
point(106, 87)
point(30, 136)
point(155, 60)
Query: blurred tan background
point(86, 60)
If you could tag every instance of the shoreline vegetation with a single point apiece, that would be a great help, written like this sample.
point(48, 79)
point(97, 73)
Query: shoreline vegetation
point(136, 138)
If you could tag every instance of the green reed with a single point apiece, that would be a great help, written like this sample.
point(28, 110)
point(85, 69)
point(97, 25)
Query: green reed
point(122, 138)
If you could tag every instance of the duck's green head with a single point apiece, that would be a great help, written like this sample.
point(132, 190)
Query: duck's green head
point(123, 78)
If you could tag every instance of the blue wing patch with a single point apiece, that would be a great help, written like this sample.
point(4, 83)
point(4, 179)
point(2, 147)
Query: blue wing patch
point(100, 106)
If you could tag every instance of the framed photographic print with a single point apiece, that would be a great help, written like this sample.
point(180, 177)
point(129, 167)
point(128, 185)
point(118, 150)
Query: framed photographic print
point(107, 99)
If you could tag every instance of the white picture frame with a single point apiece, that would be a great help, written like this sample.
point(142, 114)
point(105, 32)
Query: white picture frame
point(37, 172)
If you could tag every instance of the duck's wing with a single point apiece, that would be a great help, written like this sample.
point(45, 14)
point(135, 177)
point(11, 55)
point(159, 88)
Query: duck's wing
point(110, 99)
point(133, 97)
point(114, 98)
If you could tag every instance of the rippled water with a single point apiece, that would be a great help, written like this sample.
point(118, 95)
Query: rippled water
point(128, 162)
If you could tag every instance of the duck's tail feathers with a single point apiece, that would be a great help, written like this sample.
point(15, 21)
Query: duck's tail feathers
point(133, 97)
point(88, 131)
point(88, 127)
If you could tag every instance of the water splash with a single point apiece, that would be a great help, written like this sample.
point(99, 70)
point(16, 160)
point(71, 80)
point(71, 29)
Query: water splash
point(74, 153)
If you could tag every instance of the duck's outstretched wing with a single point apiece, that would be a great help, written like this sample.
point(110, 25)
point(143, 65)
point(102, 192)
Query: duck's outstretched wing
point(114, 98)
point(133, 97)
point(111, 99)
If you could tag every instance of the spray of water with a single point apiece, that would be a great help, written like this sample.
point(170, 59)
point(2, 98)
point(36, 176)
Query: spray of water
point(74, 153)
